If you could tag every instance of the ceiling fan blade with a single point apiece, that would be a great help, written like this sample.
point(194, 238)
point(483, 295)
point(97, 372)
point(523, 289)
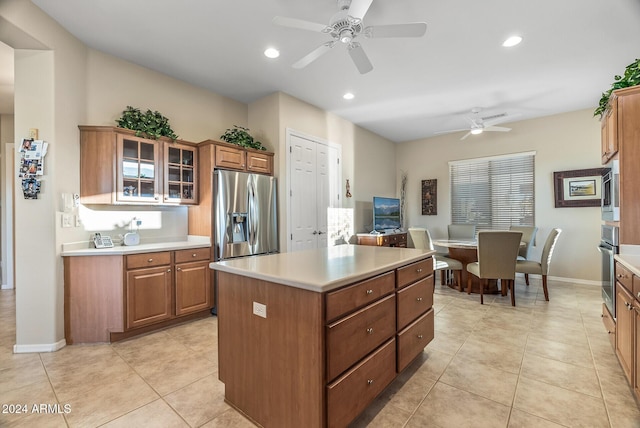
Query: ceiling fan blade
point(497, 128)
point(490, 121)
point(465, 135)
point(415, 29)
point(360, 58)
point(359, 8)
point(298, 23)
point(450, 131)
point(314, 54)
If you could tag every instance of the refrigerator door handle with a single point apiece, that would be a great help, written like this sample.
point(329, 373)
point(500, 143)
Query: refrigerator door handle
point(251, 212)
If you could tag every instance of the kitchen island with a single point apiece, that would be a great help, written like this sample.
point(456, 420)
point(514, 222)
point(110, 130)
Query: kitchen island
point(310, 338)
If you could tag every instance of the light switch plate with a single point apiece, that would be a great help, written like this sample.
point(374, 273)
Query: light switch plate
point(259, 309)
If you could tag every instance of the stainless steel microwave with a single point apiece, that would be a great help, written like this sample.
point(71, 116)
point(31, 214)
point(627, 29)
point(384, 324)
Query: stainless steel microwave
point(611, 192)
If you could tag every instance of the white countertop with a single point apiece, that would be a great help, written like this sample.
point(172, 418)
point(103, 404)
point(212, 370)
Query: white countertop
point(322, 269)
point(630, 261)
point(86, 248)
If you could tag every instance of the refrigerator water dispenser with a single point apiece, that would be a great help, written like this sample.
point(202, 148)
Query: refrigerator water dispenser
point(239, 225)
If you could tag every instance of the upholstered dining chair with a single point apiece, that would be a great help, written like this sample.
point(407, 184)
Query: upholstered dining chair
point(462, 231)
point(422, 239)
point(497, 254)
point(542, 267)
point(529, 238)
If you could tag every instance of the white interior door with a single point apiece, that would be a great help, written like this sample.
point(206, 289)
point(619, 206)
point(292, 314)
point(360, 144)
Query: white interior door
point(302, 194)
point(313, 179)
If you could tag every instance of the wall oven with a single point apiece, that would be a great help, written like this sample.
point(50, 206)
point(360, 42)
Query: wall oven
point(608, 248)
point(611, 192)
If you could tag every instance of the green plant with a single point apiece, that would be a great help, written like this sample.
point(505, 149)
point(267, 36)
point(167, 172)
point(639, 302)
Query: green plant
point(631, 77)
point(150, 124)
point(240, 136)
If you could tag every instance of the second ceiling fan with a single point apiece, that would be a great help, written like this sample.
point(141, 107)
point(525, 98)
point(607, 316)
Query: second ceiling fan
point(344, 27)
point(480, 124)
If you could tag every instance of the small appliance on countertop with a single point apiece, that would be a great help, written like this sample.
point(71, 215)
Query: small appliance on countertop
point(132, 238)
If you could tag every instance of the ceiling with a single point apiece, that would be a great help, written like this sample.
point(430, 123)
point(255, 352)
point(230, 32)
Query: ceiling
point(570, 53)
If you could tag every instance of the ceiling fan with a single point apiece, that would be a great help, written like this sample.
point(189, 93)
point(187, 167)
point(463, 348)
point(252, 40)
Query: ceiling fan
point(344, 27)
point(481, 124)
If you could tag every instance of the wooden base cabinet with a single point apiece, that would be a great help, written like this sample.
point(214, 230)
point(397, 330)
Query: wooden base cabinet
point(624, 329)
point(383, 240)
point(319, 359)
point(109, 298)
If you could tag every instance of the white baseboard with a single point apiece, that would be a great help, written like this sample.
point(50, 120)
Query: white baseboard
point(45, 347)
point(538, 279)
point(6, 287)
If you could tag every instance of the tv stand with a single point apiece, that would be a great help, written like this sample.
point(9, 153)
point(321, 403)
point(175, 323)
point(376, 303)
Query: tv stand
point(397, 239)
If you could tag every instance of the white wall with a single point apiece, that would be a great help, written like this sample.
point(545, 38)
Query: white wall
point(562, 142)
point(368, 160)
point(6, 202)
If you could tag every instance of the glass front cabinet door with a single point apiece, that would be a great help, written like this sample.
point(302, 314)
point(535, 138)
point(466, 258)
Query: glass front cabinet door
point(138, 166)
point(180, 184)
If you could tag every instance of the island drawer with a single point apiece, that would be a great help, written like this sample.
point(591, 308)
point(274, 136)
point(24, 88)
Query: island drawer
point(414, 271)
point(350, 298)
point(348, 396)
point(414, 300)
point(193, 255)
point(413, 339)
point(624, 276)
point(354, 336)
point(135, 261)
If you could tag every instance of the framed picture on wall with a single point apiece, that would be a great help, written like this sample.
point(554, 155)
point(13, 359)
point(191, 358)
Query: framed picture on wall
point(578, 188)
point(430, 197)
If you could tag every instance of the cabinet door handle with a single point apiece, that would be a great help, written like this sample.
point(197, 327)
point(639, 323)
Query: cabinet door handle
point(638, 294)
point(369, 381)
point(370, 330)
point(419, 336)
point(178, 269)
point(369, 291)
point(168, 270)
point(419, 299)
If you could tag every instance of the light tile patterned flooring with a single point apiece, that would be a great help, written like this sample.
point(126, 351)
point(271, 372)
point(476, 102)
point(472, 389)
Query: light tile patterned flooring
point(537, 365)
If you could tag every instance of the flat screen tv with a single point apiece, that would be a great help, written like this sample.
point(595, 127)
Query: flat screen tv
point(386, 214)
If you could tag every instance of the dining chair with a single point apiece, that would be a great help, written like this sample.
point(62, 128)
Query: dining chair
point(462, 231)
point(542, 267)
point(497, 254)
point(422, 239)
point(529, 238)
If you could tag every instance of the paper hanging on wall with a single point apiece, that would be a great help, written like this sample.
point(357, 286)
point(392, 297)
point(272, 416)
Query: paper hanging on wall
point(32, 153)
point(30, 188)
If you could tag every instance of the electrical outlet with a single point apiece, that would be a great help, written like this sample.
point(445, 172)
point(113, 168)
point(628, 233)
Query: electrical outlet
point(66, 220)
point(77, 220)
point(259, 309)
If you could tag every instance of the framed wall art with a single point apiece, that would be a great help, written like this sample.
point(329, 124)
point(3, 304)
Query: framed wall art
point(578, 188)
point(430, 197)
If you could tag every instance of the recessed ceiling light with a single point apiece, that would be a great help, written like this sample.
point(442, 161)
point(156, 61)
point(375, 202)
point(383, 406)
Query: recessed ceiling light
point(512, 41)
point(476, 131)
point(348, 96)
point(272, 53)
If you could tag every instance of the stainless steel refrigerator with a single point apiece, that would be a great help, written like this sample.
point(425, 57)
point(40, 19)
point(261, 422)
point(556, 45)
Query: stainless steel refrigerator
point(246, 222)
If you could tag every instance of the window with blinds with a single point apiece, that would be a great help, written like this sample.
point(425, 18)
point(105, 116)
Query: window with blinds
point(494, 192)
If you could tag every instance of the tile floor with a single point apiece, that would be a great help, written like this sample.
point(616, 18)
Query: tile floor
point(537, 365)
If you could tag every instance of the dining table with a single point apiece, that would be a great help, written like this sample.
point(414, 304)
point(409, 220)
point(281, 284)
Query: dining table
point(466, 251)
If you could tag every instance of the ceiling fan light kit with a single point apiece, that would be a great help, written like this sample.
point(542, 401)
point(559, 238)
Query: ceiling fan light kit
point(344, 27)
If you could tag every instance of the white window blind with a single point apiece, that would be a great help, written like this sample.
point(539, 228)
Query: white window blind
point(494, 192)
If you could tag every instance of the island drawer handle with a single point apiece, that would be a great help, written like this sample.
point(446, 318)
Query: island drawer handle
point(419, 270)
point(419, 299)
point(370, 330)
point(419, 336)
point(194, 255)
point(150, 260)
point(369, 381)
point(369, 291)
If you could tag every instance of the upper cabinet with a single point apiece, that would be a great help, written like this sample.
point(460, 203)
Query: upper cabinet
point(609, 125)
point(621, 138)
point(230, 156)
point(116, 167)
